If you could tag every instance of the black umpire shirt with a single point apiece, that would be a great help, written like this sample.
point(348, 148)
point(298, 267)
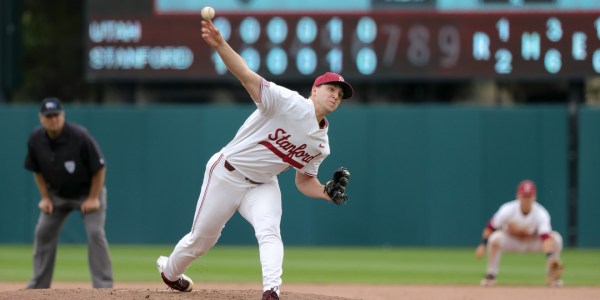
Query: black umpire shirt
point(66, 163)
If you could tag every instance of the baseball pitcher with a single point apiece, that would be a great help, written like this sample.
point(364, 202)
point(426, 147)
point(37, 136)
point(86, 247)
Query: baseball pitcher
point(286, 131)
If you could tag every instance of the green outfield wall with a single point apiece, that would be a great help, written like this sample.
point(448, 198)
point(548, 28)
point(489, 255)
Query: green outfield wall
point(421, 175)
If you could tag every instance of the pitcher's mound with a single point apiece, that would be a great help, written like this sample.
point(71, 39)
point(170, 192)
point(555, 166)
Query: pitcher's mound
point(106, 294)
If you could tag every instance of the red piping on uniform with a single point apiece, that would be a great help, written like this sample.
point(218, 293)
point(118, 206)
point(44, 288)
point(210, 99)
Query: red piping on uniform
point(545, 236)
point(212, 168)
point(283, 157)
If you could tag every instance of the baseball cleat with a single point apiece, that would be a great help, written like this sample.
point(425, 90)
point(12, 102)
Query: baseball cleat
point(270, 294)
point(488, 280)
point(182, 284)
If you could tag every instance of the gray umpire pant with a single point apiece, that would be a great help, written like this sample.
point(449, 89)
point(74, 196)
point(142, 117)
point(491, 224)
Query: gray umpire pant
point(47, 233)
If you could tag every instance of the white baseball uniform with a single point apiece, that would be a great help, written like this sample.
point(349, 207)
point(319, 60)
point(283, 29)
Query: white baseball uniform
point(536, 224)
point(283, 132)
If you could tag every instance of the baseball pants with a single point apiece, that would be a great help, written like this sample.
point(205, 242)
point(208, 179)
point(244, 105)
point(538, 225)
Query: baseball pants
point(223, 192)
point(47, 233)
point(508, 243)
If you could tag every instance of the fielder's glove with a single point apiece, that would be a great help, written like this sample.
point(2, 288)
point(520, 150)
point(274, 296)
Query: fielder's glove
point(336, 187)
point(555, 270)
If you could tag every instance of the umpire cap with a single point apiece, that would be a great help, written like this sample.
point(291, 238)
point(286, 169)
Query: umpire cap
point(51, 106)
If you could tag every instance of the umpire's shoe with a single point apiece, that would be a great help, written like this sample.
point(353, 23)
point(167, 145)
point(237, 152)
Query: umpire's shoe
point(183, 284)
point(270, 294)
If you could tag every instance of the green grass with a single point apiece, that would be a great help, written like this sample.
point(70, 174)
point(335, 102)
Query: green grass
point(315, 265)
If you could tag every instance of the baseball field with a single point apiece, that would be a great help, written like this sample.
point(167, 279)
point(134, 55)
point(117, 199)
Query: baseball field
point(228, 272)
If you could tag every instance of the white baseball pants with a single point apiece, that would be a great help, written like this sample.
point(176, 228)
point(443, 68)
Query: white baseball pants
point(508, 243)
point(223, 192)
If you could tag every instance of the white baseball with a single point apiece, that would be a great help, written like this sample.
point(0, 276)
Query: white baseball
point(207, 13)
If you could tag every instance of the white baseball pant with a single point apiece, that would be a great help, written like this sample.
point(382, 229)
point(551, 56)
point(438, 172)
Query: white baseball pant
point(509, 243)
point(223, 192)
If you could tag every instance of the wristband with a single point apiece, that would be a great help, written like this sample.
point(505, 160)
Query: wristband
point(484, 241)
point(548, 255)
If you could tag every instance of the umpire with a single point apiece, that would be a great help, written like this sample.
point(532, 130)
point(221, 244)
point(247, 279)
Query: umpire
point(69, 172)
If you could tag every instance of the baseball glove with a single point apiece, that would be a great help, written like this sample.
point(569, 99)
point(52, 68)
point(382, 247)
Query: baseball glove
point(555, 270)
point(336, 187)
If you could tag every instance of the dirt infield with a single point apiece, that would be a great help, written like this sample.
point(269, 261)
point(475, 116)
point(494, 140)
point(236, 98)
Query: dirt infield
point(145, 290)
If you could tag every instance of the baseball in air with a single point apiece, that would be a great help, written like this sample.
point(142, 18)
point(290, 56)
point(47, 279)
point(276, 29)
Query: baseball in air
point(207, 13)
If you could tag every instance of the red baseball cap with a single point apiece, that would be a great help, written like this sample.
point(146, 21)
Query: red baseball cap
point(331, 77)
point(526, 188)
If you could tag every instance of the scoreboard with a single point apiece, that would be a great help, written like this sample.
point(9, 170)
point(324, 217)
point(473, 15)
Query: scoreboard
point(143, 42)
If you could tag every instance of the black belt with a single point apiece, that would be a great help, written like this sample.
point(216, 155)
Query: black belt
point(230, 168)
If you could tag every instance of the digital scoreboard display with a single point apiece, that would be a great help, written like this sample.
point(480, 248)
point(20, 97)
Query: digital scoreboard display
point(143, 44)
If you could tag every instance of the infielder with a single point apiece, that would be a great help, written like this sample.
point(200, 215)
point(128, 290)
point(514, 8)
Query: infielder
point(286, 131)
point(521, 225)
